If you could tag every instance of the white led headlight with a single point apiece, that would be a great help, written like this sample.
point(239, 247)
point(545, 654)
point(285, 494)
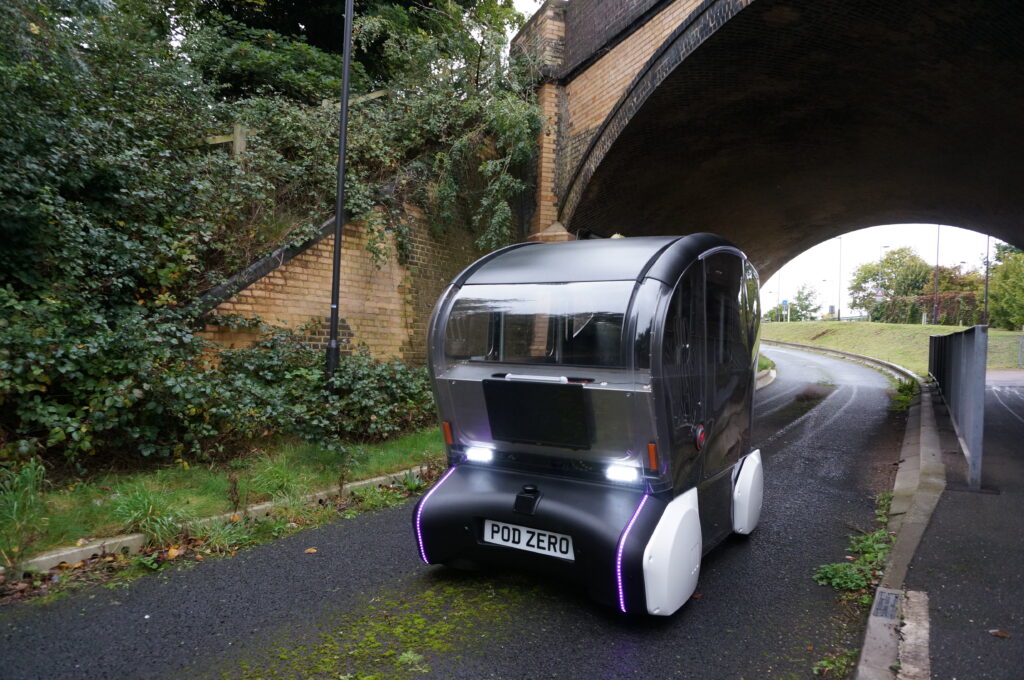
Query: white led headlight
point(621, 473)
point(479, 454)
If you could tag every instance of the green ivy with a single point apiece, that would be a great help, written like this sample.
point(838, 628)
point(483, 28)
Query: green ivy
point(115, 214)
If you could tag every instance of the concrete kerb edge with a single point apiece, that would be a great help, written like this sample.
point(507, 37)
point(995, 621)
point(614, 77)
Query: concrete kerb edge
point(892, 369)
point(920, 481)
point(134, 543)
point(764, 378)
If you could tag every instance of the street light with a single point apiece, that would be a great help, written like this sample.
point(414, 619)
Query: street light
point(984, 315)
point(339, 200)
point(839, 283)
point(935, 295)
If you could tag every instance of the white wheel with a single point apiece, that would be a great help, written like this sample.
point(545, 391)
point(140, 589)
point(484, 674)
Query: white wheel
point(747, 493)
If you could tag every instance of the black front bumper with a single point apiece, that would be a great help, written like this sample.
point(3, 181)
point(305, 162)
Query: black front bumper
point(609, 525)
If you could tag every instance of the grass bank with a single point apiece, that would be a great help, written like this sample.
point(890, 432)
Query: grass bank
point(82, 509)
point(902, 344)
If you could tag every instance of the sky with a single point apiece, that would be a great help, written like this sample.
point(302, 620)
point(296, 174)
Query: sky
point(819, 267)
point(528, 7)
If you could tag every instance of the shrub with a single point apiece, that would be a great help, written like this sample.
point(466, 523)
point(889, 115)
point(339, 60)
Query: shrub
point(379, 399)
point(80, 383)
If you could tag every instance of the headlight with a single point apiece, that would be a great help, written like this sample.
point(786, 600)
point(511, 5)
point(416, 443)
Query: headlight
point(621, 473)
point(479, 454)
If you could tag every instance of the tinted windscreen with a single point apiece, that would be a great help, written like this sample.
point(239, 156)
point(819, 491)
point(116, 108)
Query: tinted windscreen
point(537, 413)
point(576, 324)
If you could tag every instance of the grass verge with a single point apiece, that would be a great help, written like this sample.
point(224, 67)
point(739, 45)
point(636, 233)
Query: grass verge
point(764, 363)
point(176, 543)
point(902, 344)
point(158, 500)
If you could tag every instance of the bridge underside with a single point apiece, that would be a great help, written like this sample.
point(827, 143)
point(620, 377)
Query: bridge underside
point(797, 121)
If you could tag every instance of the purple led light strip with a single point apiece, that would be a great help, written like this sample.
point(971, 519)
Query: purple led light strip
point(419, 513)
point(618, 555)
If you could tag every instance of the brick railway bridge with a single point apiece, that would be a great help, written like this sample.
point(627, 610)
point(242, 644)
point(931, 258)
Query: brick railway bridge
point(778, 123)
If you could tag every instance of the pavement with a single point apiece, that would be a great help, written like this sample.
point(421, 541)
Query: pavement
point(965, 581)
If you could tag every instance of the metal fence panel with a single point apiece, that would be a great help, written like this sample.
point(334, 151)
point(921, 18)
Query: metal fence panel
point(957, 363)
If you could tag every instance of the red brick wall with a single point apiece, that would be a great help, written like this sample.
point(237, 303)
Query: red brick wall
point(385, 307)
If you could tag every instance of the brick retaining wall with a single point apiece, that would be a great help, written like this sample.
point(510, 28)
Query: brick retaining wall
point(385, 307)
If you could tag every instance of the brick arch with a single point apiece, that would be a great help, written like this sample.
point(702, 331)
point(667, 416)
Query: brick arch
point(697, 22)
point(782, 123)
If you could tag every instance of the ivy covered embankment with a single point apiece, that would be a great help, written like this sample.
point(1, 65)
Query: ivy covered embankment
point(116, 213)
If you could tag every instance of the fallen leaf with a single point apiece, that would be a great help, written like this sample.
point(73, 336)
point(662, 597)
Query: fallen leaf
point(199, 558)
point(82, 541)
point(172, 552)
point(235, 518)
point(810, 648)
point(79, 564)
point(310, 551)
point(697, 596)
point(999, 633)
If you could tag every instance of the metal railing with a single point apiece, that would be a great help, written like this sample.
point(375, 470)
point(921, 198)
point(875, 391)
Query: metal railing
point(957, 363)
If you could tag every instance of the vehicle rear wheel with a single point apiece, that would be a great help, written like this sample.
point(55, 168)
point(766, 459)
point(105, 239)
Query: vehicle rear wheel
point(747, 493)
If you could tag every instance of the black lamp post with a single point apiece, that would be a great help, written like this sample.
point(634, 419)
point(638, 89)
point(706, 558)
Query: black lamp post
point(984, 317)
point(339, 202)
point(935, 294)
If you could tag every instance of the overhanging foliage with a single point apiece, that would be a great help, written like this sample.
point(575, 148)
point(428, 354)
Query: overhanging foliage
point(115, 215)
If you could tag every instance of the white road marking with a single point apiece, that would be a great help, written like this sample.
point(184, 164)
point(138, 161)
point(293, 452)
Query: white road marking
point(995, 392)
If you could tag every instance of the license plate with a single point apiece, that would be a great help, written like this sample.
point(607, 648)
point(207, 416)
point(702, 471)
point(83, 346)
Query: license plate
point(531, 540)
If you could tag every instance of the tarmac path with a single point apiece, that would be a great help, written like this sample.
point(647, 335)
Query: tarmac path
point(365, 606)
point(971, 559)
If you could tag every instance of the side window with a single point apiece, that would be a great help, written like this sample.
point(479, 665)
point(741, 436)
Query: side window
point(753, 306)
point(728, 351)
point(680, 349)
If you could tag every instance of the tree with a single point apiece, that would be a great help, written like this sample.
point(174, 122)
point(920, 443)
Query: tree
point(776, 313)
point(901, 273)
point(805, 305)
point(1004, 250)
point(319, 22)
point(955, 280)
point(1006, 292)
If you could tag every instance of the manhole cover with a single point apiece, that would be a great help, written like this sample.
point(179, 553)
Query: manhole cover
point(886, 605)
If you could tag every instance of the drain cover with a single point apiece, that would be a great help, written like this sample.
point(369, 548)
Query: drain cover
point(886, 604)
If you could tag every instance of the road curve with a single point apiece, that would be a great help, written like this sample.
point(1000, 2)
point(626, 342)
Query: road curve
point(364, 604)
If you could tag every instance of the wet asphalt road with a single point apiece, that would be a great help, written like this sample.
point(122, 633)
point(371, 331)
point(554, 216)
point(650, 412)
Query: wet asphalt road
point(275, 611)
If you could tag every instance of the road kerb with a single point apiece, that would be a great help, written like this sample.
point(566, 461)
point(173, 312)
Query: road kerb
point(881, 636)
point(133, 543)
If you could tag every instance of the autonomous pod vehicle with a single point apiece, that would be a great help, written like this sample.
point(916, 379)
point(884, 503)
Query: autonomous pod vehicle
point(596, 399)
